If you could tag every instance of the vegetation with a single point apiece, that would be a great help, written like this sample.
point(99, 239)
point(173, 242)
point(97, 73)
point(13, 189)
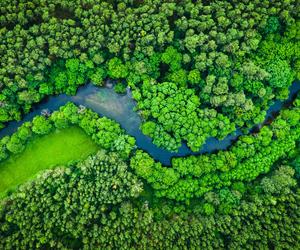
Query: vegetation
point(178, 112)
point(104, 132)
point(196, 69)
point(222, 52)
point(97, 184)
point(251, 156)
point(95, 205)
point(25, 154)
point(57, 148)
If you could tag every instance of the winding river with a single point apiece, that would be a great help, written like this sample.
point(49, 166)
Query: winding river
point(120, 108)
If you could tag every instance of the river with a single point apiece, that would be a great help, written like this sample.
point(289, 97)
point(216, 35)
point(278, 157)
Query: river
point(120, 108)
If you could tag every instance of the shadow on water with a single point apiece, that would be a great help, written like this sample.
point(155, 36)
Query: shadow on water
point(120, 108)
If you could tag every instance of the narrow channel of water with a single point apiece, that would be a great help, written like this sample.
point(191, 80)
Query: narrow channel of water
point(107, 103)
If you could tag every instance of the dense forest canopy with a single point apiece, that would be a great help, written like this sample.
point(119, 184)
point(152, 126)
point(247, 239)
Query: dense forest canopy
point(196, 69)
point(88, 206)
point(235, 56)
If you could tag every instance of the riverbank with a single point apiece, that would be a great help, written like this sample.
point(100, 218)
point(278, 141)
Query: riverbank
point(120, 108)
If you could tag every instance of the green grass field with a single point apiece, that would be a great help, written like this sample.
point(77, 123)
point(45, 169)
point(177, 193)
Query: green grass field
point(57, 148)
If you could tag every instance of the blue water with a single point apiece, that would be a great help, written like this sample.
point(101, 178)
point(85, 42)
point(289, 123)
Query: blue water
point(120, 108)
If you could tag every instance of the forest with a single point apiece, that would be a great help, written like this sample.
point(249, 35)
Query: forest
point(72, 178)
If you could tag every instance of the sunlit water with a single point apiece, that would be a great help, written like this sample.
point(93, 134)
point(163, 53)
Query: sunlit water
point(120, 108)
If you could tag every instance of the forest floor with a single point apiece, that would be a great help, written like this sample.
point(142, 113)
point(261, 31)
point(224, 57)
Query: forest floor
point(57, 148)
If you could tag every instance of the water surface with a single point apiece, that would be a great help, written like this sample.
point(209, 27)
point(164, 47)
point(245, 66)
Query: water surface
point(120, 108)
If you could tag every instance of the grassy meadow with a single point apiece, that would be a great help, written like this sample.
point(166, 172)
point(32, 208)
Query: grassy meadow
point(57, 148)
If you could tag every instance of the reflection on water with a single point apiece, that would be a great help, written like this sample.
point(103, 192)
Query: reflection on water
point(107, 103)
point(120, 108)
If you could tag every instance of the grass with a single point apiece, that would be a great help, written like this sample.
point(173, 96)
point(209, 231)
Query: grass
point(57, 148)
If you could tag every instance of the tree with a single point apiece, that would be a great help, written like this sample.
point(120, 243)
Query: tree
point(273, 25)
point(148, 128)
point(194, 77)
point(281, 73)
point(41, 125)
point(15, 144)
point(120, 88)
point(172, 57)
point(98, 76)
point(116, 69)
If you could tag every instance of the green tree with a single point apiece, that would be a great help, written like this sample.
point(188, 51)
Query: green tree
point(41, 125)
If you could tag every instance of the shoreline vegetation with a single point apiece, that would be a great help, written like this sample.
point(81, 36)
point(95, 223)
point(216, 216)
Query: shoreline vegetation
point(128, 211)
point(27, 150)
point(117, 107)
point(199, 151)
point(76, 144)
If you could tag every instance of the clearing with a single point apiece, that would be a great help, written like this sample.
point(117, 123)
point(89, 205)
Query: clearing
point(60, 147)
